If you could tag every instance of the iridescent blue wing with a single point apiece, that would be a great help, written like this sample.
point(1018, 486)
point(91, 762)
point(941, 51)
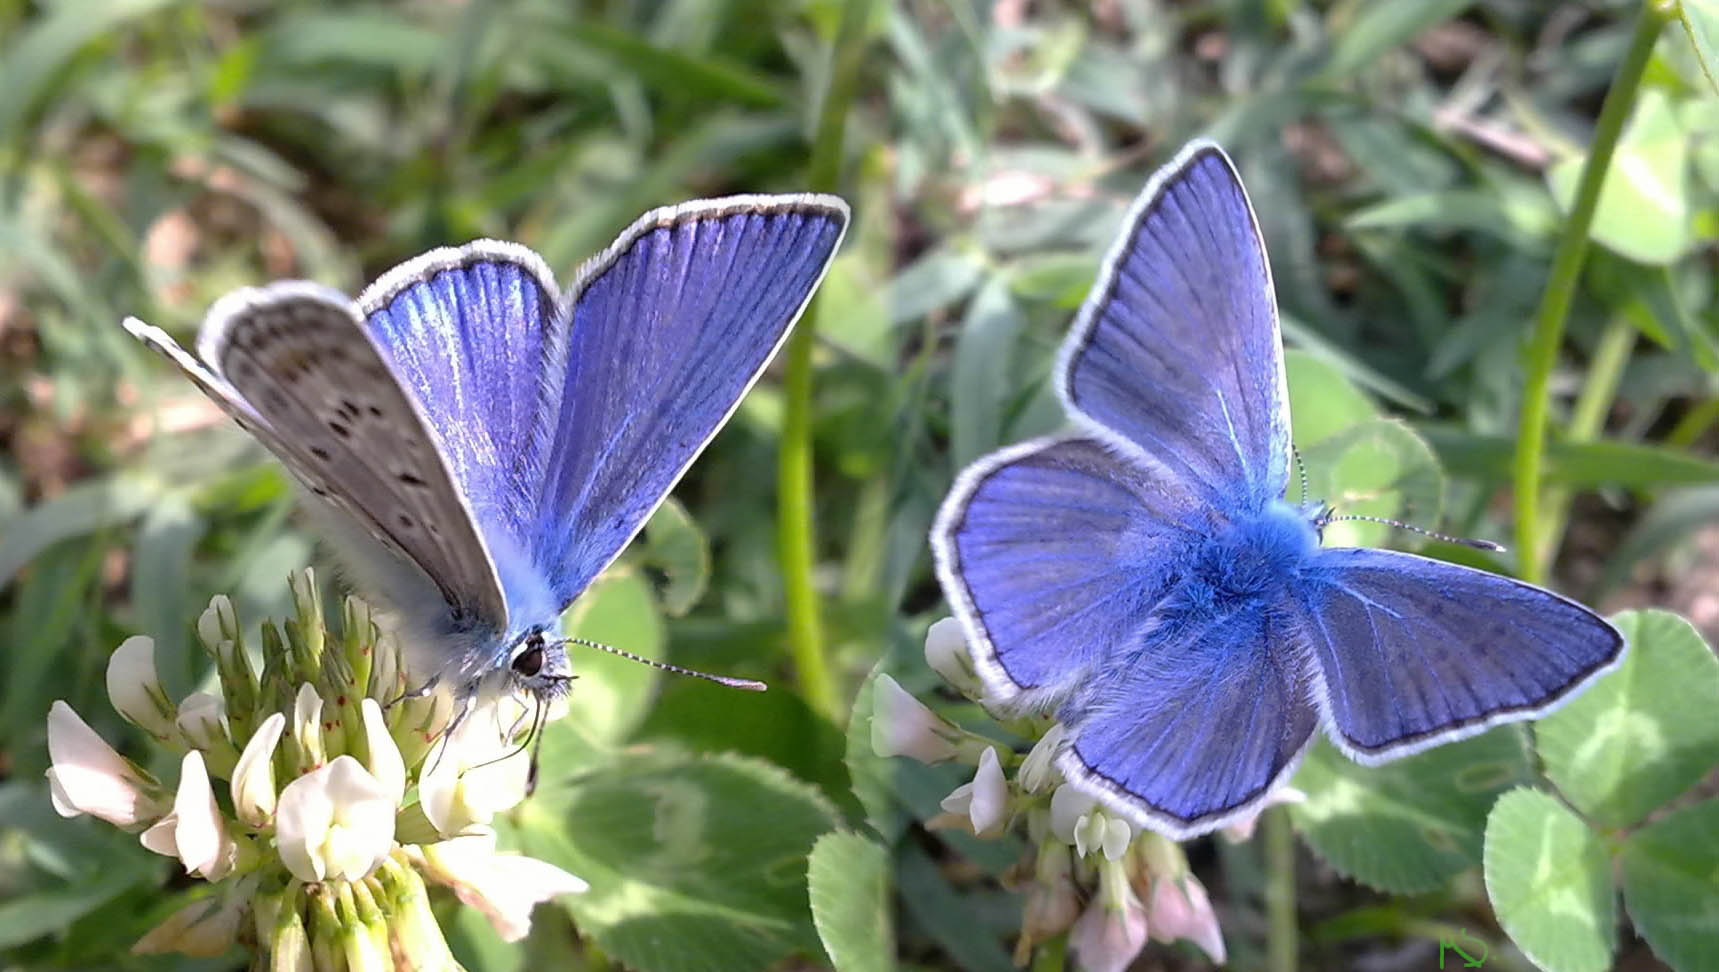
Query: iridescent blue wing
point(1194, 725)
point(1053, 554)
point(1413, 652)
point(1176, 356)
point(468, 331)
point(664, 332)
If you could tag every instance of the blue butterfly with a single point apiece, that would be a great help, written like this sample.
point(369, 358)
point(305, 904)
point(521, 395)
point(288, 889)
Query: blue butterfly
point(1146, 579)
point(480, 445)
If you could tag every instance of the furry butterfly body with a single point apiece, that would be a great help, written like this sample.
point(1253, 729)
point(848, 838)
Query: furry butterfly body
point(480, 445)
point(1145, 578)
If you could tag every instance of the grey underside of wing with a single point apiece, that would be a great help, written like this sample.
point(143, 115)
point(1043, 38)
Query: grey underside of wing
point(343, 424)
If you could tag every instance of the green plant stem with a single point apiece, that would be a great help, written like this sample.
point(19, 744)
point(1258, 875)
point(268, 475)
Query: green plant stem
point(1693, 423)
point(1548, 334)
point(1281, 945)
point(1588, 418)
point(795, 542)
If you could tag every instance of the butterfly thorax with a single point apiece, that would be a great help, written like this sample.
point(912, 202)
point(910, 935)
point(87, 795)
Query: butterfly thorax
point(1248, 561)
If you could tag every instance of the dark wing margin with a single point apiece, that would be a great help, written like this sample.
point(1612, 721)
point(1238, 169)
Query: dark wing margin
point(1176, 354)
point(1413, 652)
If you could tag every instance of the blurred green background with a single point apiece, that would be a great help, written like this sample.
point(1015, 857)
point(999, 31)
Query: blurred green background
point(1410, 160)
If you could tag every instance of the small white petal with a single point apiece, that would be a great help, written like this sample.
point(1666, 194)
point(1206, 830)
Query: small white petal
point(504, 887)
point(135, 689)
point(1069, 808)
point(901, 725)
point(384, 761)
point(1117, 834)
point(307, 722)
point(946, 652)
point(199, 832)
point(89, 777)
point(985, 801)
point(160, 838)
point(334, 823)
point(254, 778)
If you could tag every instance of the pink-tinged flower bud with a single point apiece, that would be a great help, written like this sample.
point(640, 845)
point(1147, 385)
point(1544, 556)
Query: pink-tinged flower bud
point(87, 776)
point(983, 803)
point(1180, 909)
point(136, 691)
point(901, 725)
point(1243, 829)
point(1052, 900)
point(1112, 930)
point(206, 928)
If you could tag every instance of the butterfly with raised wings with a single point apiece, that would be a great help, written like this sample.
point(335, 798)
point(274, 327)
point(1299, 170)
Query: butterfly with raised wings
point(1145, 578)
point(482, 445)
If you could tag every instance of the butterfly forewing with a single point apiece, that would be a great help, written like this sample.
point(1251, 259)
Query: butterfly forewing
point(469, 331)
point(1414, 652)
point(298, 355)
point(1176, 354)
point(659, 340)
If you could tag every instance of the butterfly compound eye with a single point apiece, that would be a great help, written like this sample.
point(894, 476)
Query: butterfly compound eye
point(530, 661)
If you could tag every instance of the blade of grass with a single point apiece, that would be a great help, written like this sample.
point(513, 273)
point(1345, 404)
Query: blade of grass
point(1548, 336)
point(794, 537)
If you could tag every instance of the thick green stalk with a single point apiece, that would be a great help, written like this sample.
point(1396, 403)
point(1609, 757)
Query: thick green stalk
point(1588, 418)
point(1531, 535)
point(795, 542)
point(1281, 941)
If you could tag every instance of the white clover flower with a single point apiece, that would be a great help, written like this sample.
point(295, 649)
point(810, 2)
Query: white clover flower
point(87, 776)
point(901, 725)
point(1180, 909)
point(505, 887)
point(135, 689)
point(947, 654)
point(983, 803)
point(313, 866)
point(477, 770)
point(335, 823)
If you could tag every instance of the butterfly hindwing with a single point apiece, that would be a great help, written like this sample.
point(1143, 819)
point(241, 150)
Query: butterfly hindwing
point(663, 334)
point(1053, 552)
point(1194, 724)
point(1413, 652)
point(1175, 356)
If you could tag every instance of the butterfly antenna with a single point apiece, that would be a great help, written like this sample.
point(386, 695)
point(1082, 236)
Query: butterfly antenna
point(1303, 467)
point(536, 739)
point(1487, 545)
point(748, 684)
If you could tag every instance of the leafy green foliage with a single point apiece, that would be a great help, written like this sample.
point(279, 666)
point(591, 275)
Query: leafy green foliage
point(685, 872)
point(1411, 825)
point(1645, 732)
point(1548, 876)
point(1669, 871)
point(848, 879)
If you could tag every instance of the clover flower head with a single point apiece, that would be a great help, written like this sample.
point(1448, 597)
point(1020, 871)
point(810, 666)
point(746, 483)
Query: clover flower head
point(1090, 874)
point(321, 857)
